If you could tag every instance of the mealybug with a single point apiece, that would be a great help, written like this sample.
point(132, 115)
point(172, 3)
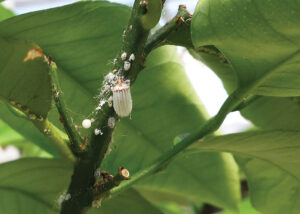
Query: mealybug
point(122, 101)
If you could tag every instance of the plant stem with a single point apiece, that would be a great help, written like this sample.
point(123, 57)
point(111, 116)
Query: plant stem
point(66, 120)
point(210, 126)
point(83, 180)
point(108, 182)
point(170, 32)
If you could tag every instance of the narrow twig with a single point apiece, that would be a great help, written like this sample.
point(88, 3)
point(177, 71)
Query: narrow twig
point(172, 32)
point(108, 182)
point(66, 120)
point(123, 174)
point(245, 103)
point(46, 128)
point(178, 32)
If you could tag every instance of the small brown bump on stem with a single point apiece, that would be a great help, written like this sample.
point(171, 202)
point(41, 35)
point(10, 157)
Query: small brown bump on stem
point(124, 173)
point(108, 182)
point(182, 6)
point(180, 20)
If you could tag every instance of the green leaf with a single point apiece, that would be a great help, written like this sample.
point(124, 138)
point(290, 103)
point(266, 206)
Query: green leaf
point(207, 177)
point(81, 40)
point(262, 46)
point(5, 13)
point(272, 190)
point(24, 82)
point(272, 169)
point(280, 148)
point(83, 47)
point(274, 113)
point(32, 185)
point(261, 111)
point(128, 202)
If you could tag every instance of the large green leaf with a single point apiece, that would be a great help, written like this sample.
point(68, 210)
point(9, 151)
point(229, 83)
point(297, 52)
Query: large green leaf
point(280, 148)
point(274, 113)
point(272, 190)
point(24, 83)
point(273, 167)
point(260, 111)
point(262, 46)
point(83, 41)
point(200, 176)
point(32, 185)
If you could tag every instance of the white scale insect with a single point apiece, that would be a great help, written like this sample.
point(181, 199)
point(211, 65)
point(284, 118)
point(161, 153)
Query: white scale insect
point(86, 123)
point(122, 101)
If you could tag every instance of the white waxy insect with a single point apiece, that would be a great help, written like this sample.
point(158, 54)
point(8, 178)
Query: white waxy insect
point(122, 101)
point(115, 61)
point(101, 103)
point(123, 56)
point(111, 122)
point(132, 57)
point(98, 131)
point(68, 197)
point(56, 95)
point(110, 76)
point(127, 65)
point(47, 131)
point(61, 199)
point(86, 123)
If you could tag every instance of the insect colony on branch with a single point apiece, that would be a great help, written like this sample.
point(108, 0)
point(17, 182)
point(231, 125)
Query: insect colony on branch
point(114, 83)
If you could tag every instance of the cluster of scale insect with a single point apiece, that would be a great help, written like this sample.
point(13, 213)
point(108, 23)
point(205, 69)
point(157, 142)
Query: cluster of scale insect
point(116, 89)
point(26, 111)
point(115, 92)
point(63, 197)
